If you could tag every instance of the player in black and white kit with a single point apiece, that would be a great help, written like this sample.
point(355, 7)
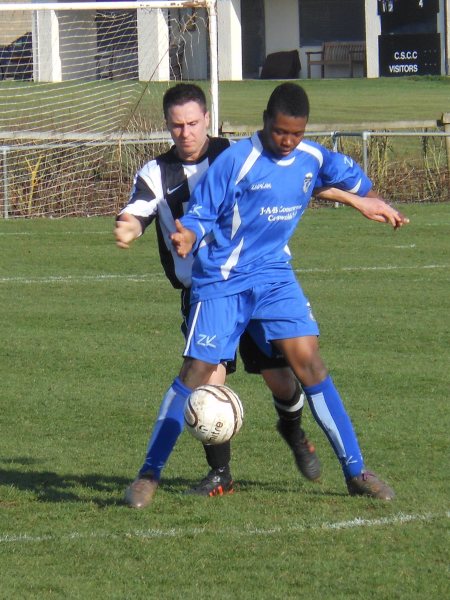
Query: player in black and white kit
point(160, 193)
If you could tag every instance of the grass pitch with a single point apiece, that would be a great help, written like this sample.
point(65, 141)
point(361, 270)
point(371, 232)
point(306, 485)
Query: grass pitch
point(333, 101)
point(90, 342)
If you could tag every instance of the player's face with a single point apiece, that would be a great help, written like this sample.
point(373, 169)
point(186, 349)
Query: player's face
point(283, 133)
point(188, 126)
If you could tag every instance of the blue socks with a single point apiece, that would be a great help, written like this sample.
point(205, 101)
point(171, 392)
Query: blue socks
point(324, 401)
point(330, 414)
point(168, 427)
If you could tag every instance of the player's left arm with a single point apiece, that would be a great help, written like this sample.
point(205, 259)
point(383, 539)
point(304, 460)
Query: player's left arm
point(371, 206)
point(183, 239)
point(341, 171)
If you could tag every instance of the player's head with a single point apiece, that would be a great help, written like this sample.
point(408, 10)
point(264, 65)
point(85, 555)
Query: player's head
point(285, 118)
point(181, 94)
point(187, 119)
point(289, 99)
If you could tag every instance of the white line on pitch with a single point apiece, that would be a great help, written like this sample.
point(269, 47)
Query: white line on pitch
point(246, 531)
point(80, 278)
point(375, 268)
point(38, 233)
point(152, 276)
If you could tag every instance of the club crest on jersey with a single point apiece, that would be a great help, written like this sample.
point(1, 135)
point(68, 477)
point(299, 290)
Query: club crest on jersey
point(307, 182)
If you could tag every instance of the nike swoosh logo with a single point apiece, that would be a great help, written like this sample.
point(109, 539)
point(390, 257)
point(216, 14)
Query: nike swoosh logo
point(171, 191)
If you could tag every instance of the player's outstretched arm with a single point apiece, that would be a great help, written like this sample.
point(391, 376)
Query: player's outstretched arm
point(371, 206)
point(377, 209)
point(126, 230)
point(182, 239)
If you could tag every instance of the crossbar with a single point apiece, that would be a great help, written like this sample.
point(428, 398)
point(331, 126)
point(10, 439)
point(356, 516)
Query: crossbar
point(103, 5)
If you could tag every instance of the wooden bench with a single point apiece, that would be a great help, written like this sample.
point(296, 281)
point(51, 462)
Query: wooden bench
point(338, 54)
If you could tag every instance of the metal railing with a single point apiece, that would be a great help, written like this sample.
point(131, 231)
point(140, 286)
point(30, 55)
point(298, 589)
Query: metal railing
point(84, 141)
point(366, 135)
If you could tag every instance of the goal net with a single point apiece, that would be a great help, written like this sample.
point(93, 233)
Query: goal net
point(81, 88)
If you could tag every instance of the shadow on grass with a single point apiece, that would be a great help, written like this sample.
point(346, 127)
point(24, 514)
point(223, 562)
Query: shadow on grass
point(102, 490)
point(49, 486)
point(177, 485)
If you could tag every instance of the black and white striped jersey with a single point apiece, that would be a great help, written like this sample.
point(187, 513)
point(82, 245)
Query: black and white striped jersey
point(161, 192)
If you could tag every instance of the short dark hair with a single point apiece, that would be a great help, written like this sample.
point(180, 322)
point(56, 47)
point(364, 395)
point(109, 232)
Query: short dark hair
point(289, 99)
point(181, 93)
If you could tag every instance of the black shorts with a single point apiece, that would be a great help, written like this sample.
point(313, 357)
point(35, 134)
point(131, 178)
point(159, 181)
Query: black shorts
point(253, 358)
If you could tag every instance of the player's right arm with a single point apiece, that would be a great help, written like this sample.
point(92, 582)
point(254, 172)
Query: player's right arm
point(142, 206)
point(126, 230)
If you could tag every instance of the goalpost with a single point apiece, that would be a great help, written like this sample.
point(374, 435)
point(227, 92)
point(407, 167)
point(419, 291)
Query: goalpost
point(81, 86)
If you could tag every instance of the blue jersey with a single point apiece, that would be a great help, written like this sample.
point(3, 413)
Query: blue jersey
point(246, 208)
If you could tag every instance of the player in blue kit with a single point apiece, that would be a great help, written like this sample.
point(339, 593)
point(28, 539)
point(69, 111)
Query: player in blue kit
point(239, 222)
point(160, 194)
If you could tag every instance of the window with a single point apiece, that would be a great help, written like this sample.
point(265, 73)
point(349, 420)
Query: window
point(331, 20)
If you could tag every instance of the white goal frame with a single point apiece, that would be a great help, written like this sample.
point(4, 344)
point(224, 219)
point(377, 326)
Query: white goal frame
point(80, 97)
point(209, 5)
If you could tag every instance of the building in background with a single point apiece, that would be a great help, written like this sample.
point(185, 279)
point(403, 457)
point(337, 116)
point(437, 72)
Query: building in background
point(402, 37)
point(389, 38)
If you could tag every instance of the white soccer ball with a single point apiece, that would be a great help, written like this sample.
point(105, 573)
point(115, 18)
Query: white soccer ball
point(213, 414)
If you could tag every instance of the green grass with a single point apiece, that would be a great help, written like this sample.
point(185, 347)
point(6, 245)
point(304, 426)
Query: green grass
point(344, 100)
point(333, 101)
point(90, 342)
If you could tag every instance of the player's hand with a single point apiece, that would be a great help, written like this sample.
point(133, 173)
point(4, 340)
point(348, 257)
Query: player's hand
point(126, 230)
point(183, 239)
point(376, 209)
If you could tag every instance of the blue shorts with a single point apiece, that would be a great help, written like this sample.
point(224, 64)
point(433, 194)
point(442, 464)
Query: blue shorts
point(268, 312)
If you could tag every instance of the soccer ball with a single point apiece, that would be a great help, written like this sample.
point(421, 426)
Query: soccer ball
point(213, 414)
